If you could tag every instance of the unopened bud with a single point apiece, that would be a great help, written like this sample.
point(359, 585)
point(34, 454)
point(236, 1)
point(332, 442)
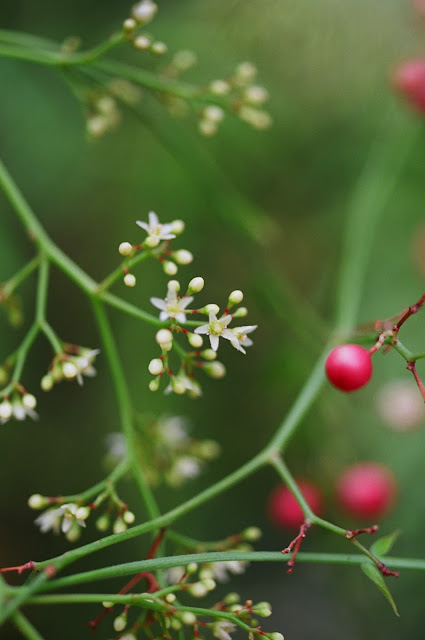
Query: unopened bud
point(195, 340)
point(37, 501)
point(212, 308)
point(169, 268)
point(154, 385)
point(188, 618)
point(197, 590)
point(156, 366)
point(130, 280)
point(164, 338)
point(69, 370)
point(252, 534)
point(207, 128)
point(240, 313)
point(125, 248)
point(120, 623)
point(6, 410)
point(159, 48)
point(196, 285)
point(219, 87)
point(144, 11)
point(235, 297)
point(29, 401)
point(129, 25)
point(215, 369)
point(209, 354)
point(103, 522)
point(182, 256)
point(152, 241)
point(142, 43)
point(177, 227)
point(83, 513)
point(46, 382)
point(128, 517)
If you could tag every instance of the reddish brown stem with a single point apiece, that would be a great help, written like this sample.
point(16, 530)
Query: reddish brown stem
point(353, 533)
point(147, 575)
point(386, 572)
point(411, 366)
point(409, 312)
point(20, 568)
point(295, 545)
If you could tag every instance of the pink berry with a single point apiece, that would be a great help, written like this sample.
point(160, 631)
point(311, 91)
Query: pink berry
point(349, 367)
point(284, 510)
point(409, 80)
point(366, 490)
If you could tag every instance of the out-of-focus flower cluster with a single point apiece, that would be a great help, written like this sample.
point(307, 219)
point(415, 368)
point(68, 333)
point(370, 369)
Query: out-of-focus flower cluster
point(12, 304)
point(69, 515)
point(19, 404)
point(167, 452)
point(72, 364)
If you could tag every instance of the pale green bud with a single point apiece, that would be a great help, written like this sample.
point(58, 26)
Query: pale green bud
point(252, 534)
point(29, 401)
point(129, 280)
point(103, 522)
point(156, 366)
point(177, 227)
point(235, 297)
point(151, 242)
point(240, 313)
point(169, 268)
point(215, 369)
point(209, 354)
point(195, 340)
point(125, 248)
point(154, 384)
point(128, 517)
point(83, 513)
point(188, 618)
point(159, 48)
point(196, 285)
point(37, 501)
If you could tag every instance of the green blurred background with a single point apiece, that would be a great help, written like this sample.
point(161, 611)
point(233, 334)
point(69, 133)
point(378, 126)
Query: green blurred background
point(326, 65)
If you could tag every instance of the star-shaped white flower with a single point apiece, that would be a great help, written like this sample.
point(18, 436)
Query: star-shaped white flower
point(156, 231)
point(217, 328)
point(172, 307)
point(61, 518)
point(222, 629)
point(84, 364)
point(242, 338)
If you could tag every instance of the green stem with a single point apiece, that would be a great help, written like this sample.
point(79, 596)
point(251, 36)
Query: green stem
point(368, 201)
point(288, 479)
point(13, 283)
point(124, 405)
point(25, 627)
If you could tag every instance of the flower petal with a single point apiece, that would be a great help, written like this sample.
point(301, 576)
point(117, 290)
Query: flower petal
point(214, 341)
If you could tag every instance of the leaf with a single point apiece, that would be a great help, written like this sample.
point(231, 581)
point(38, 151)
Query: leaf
point(376, 576)
point(384, 544)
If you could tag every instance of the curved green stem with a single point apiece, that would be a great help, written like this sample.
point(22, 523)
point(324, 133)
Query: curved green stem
point(25, 627)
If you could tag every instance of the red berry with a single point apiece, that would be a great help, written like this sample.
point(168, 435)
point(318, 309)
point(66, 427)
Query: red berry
point(284, 510)
point(349, 367)
point(366, 490)
point(409, 80)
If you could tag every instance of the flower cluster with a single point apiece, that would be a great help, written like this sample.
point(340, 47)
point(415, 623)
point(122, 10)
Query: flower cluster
point(19, 404)
point(169, 454)
point(241, 95)
point(72, 364)
point(69, 517)
point(175, 309)
point(141, 14)
point(156, 244)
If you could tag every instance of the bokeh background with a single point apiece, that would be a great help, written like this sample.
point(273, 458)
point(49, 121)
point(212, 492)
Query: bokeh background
point(327, 67)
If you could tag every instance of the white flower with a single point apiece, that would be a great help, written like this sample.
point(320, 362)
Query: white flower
point(184, 468)
point(156, 231)
point(222, 629)
point(173, 430)
point(173, 306)
point(84, 364)
point(181, 383)
point(62, 518)
point(241, 335)
point(17, 410)
point(222, 569)
point(216, 329)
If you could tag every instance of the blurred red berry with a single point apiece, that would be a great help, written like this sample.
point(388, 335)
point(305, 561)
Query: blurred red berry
point(366, 490)
point(284, 510)
point(409, 80)
point(349, 367)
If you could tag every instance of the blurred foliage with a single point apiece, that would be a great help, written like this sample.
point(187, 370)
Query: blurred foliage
point(326, 65)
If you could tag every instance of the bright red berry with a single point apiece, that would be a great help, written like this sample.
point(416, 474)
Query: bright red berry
point(366, 490)
point(349, 367)
point(284, 510)
point(409, 80)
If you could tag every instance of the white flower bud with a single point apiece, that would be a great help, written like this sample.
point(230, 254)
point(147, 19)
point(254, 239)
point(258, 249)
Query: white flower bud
point(156, 366)
point(154, 385)
point(142, 42)
point(182, 256)
point(164, 337)
point(103, 522)
point(232, 598)
point(198, 590)
point(46, 382)
point(144, 11)
point(255, 117)
point(235, 297)
point(128, 517)
point(130, 280)
point(129, 25)
point(187, 617)
point(173, 285)
point(191, 568)
point(82, 513)
point(206, 573)
point(240, 313)
point(246, 71)
point(29, 401)
point(120, 623)
point(178, 386)
point(275, 635)
point(195, 340)
point(262, 609)
point(159, 48)
point(175, 624)
point(236, 608)
point(96, 126)
point(69, 370)
point(170, 598)
point(177, 227)
point(170, 268)
point(107, 605)
point(184, 59)
point(252, 534)
point(215, 369)
point(207, 128)
point(212, 308)
point(256, 95)
point(119, 526)
point(209, 354)
point(219, 87)
point(196, 285)
point(125, 248)
point(151, 242)
point(74, 533)
point(214, 113)
point(6, 410)
point(37, 501)
point(209, 584)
